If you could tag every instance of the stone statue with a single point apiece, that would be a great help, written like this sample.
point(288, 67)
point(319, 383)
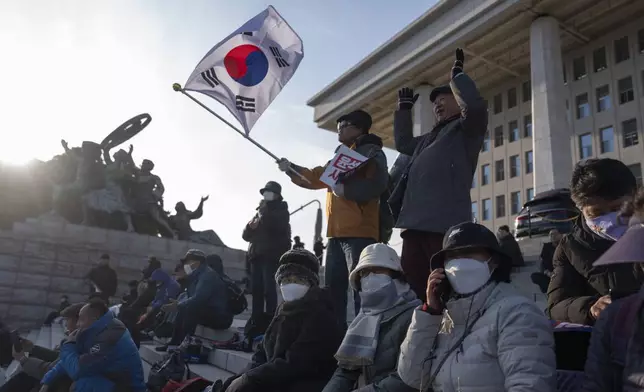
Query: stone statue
point(181, 223)
point(148, 195)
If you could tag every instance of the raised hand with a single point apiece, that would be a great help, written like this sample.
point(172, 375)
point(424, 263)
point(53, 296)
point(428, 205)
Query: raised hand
point(459, 63)
point(283, 164)
point(406, 98)
point(205, 198)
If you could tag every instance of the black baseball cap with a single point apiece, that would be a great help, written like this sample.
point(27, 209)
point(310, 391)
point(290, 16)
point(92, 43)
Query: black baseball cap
point(444, 89)
point(628, 249)
point(468, 235)
point(358, 118)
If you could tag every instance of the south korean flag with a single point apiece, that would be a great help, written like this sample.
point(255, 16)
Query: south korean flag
point(247, 70)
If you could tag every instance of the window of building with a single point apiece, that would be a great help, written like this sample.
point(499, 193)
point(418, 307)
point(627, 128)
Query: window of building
point(513, 131)
point(498, 136)
point(622, 52)
point(500, 206)
point(515, 202)
point(527, 125)
point(486, 142)
point(583, 107)
point(476, 173)
point(603, 98)
point(526, 91)
point(515, 166)
point(579, 68)
point(485, 174)
point(512, 98)
point(640, 41)
point(607, 136)
point(498, 104)
point(529, 164)
point(625, 88)
point(487, 209)
point(629, 133)
point(499, 170)
point(585, 146)
point(529, 194)
point(636, 169)
point(599, 59)
point(475, 212)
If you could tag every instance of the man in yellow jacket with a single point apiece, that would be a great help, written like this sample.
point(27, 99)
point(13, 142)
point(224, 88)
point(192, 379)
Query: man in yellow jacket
point(352, 205)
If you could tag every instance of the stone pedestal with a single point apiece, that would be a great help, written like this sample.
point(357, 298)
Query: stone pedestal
point(551, 132)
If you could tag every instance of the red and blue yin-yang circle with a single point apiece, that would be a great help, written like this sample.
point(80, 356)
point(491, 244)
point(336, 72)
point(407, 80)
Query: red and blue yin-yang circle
point(247, 64)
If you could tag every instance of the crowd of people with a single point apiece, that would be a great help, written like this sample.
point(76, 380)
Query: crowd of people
point(443, 316)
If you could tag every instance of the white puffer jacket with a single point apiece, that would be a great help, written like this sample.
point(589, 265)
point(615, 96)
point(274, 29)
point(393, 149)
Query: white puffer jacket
point(509, 347)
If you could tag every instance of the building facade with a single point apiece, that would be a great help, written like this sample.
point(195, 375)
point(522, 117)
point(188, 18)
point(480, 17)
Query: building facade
point(604, 94)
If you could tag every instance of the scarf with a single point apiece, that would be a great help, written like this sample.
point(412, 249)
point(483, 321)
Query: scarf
point(359, 345)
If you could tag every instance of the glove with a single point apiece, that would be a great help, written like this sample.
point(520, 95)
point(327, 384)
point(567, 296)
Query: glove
point(338, 190)
point(459, 63)
point(406, 98)
point(284, 165)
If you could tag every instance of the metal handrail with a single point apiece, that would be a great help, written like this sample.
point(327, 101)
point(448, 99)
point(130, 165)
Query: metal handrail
point(306, 205)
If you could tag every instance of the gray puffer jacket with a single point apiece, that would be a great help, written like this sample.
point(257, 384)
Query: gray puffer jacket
point(381, 376)
point(435, 191)
point(508, 345)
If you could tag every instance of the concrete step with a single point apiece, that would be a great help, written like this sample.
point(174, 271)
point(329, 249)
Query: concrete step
point(219, 335)
point(44, 337)
point(207, 371)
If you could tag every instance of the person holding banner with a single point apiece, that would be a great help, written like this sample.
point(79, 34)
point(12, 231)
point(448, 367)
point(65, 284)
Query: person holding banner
point(355, 179)
point(433, 193)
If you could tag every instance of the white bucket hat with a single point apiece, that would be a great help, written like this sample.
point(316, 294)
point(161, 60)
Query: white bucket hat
point(375, 255)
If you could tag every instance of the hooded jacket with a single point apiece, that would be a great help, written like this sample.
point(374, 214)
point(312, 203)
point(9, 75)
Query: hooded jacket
point(102, 359)
point(298, 347)
point(576, 284)
point(508, 345)
point(167, 288)
point(356, 213)
point(272, 236)
point(434, 193)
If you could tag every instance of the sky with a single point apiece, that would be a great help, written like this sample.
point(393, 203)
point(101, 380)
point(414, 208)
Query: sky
point(77, 69)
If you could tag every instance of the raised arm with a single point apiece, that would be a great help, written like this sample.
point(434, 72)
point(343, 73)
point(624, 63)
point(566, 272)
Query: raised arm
point(106, 157)
point(404, 124)
point(198, 213)
point(160, 189)
point(473, 106)
point(313, 175)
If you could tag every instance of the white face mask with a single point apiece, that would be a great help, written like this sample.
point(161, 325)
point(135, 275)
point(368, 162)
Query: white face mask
point(293, 291)
point(467, 275)
point(188, 269)
point(269, 196)
point(374, 282)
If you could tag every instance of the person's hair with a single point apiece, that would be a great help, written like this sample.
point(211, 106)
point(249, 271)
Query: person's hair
point(604, 178)
point(105, 256)
point(154, 262)
point(505, 228)
point(72, 310)
point(179, 267)
point(98, 307)
point(634, 206)
point(503, 270)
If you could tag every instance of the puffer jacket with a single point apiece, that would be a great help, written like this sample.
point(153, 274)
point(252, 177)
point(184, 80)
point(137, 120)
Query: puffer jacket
point(167, 288)
point(433, 194)
point(102, 359)
point(382, 375)
point(508, 345)
point(207, 292)
point(272, 236)
point(615, 362)
point(357, 213)
point(576, 284)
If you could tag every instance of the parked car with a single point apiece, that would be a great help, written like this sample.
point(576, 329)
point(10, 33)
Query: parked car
point(548, 210)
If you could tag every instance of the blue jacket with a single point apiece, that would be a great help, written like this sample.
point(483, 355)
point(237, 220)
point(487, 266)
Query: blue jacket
point(206, 292)
point(167, 288)
point(102, 358)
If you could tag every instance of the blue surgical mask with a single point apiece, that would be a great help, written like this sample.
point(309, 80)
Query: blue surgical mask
point(607, 226)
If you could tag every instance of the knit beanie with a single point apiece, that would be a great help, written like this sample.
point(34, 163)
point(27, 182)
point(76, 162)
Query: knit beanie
point(299, 263)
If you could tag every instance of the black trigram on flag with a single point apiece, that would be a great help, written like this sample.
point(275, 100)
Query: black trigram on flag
point(248, 33)
point(210, 77)
point(278, 57)
point(245, 104)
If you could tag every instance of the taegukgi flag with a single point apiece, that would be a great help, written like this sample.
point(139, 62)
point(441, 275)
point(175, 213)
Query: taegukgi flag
point(247, 70)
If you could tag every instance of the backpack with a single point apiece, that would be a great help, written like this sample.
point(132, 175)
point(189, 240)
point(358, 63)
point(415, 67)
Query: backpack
point(237, 302)
point(196, 384)
point(170, 368)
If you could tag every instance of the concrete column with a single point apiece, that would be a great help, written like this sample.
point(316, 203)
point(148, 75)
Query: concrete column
point(551, 131)
point(424, 119)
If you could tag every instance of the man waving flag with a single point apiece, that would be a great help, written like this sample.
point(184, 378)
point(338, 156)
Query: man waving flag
point(247, 70)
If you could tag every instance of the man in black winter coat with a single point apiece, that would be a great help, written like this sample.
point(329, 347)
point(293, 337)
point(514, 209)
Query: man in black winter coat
point(103, 279)
point(297, 354)
point(269, 234)
point(578, 291)
point(510, 246)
